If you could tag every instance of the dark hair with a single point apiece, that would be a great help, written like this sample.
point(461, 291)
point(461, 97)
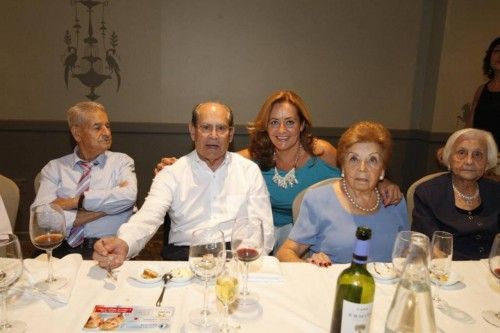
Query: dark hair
point(487, 70)
point(196, 113)
point(261, 147)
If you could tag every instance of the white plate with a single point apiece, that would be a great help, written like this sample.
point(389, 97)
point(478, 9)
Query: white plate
point(453, 278)
point(138, 274)
point(381, 270)
point(181, 274)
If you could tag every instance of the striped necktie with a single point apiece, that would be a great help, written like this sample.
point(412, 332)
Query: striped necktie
point(76, 235)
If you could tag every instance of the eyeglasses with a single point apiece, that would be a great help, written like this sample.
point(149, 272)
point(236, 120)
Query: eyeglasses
point(209, 128)
point(476, 155)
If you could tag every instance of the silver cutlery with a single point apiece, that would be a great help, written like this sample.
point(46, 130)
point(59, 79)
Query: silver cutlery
point(166, 277)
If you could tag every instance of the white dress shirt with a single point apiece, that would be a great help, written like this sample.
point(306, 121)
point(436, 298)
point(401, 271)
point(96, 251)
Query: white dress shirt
point(196, 197)
point(59, 179)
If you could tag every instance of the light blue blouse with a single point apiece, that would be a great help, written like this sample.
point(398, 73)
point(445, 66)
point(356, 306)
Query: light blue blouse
point(327, 227)
point(313, 171)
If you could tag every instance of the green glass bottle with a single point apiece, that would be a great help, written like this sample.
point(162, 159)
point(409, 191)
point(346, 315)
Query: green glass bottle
point(355, 290)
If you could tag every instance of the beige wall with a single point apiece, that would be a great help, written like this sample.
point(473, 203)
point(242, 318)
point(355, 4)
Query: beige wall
point(470, 28)
point(387, 60)
point(350, 60)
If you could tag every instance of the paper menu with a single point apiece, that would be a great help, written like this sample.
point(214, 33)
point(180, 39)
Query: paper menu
point(127, 317)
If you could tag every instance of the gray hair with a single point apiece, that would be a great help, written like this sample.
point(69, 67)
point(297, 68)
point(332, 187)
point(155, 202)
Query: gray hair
point(196, 113)
point(472, 133)
point(77, 114)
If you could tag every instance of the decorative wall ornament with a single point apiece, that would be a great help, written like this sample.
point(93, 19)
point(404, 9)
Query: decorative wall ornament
point(83, 60)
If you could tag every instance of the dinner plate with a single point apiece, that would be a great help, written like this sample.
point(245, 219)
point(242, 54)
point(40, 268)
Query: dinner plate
point(381, 270)
point(181, 274)
point(453, 278)
point(139, 274)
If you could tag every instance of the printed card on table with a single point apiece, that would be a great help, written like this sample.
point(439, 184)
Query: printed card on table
point(121, 317)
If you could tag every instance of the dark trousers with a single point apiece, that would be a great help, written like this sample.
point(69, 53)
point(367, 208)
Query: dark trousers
point(172, 252)
point(85, 249)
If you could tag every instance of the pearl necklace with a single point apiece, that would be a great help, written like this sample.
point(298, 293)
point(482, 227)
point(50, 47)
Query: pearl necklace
point(289, 179)
point(468, 198)
point(355, 204)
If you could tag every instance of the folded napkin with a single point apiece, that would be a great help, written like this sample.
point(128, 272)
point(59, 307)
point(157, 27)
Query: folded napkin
point(265, 269)
point(35, 270)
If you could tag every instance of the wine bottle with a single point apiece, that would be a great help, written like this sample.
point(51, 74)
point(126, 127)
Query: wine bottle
point(355, 290)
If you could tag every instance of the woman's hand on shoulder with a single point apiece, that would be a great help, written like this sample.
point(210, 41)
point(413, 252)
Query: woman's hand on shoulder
point(245, 153)
point(163, 163)
point(326, 151)
point(320, 259)
point(390, 192)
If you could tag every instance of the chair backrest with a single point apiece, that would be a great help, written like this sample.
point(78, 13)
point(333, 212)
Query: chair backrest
point(10, 196)
point(36, 182)
point(298, 199)
point(411, 191)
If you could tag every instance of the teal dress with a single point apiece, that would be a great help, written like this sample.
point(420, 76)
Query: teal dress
point(315, 170)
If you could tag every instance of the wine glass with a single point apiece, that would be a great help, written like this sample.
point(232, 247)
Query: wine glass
point(494, 259)
point(47, 231)
point(226, 287)
point(402, 247)
point(206, 261)
point(11, 268)
point(248, 241)
point(441, 256)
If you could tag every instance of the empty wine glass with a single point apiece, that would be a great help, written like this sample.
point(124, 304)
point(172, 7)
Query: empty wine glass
point(206, 262)
point(402, 247)
point(441, 256)
point(226, 287)
point(494, 259)
point(11, 268)
point(47, 231)
point(247, 240)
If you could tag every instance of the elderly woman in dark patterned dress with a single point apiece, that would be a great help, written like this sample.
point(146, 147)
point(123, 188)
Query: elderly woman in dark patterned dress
point(462, 202)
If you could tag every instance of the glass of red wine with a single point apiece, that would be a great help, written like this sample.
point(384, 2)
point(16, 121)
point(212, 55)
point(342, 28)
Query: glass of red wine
point(247, 240)
point(47, 231)
point(494, 259)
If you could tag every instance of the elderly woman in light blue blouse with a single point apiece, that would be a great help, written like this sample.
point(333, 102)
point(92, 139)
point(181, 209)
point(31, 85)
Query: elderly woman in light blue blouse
point(330, 214)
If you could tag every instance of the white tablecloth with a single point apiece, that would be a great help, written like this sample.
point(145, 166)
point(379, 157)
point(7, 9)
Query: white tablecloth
point(302, 303)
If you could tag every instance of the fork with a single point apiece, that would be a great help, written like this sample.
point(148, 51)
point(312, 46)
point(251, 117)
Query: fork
point(166, 277)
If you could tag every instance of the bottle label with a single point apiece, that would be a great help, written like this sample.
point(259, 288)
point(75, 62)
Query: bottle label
point(361, 250)
point(355, 317)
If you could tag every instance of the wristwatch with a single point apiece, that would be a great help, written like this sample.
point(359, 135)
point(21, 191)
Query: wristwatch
point(80, 201)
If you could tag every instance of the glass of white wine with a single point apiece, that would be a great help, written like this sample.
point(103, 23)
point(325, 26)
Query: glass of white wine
point(441, 257)
point(11, 268)
point(206, 261)
point(226, 287)
point(47, 231)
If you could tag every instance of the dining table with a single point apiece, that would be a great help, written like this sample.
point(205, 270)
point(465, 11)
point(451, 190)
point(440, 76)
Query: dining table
point(300, 300)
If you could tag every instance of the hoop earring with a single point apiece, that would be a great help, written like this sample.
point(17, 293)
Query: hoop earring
point(342, 174)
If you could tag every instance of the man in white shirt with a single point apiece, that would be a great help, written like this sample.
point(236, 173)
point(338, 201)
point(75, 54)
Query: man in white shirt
point(95, 187)
point(208, 187)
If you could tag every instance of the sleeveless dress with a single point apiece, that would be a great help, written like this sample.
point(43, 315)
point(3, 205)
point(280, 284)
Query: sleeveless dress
point(487, 113)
